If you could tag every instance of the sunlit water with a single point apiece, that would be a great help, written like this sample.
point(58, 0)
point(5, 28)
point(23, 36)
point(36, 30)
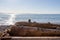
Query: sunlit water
point(9, 19)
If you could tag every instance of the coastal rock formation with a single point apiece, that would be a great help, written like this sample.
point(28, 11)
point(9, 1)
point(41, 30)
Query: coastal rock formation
point(32, 29)
point(41, 25)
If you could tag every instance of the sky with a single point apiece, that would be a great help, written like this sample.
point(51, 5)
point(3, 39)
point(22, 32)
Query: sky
point(30, 6)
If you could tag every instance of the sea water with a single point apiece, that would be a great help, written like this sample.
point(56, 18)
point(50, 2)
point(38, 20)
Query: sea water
point(41, 18)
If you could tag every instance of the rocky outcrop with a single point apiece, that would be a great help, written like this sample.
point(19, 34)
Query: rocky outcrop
point(32, 29)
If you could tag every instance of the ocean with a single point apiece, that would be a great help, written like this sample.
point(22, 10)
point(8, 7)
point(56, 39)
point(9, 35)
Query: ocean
point(41, 18)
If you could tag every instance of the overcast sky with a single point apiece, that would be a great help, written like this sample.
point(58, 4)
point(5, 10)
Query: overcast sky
point(30, 6)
